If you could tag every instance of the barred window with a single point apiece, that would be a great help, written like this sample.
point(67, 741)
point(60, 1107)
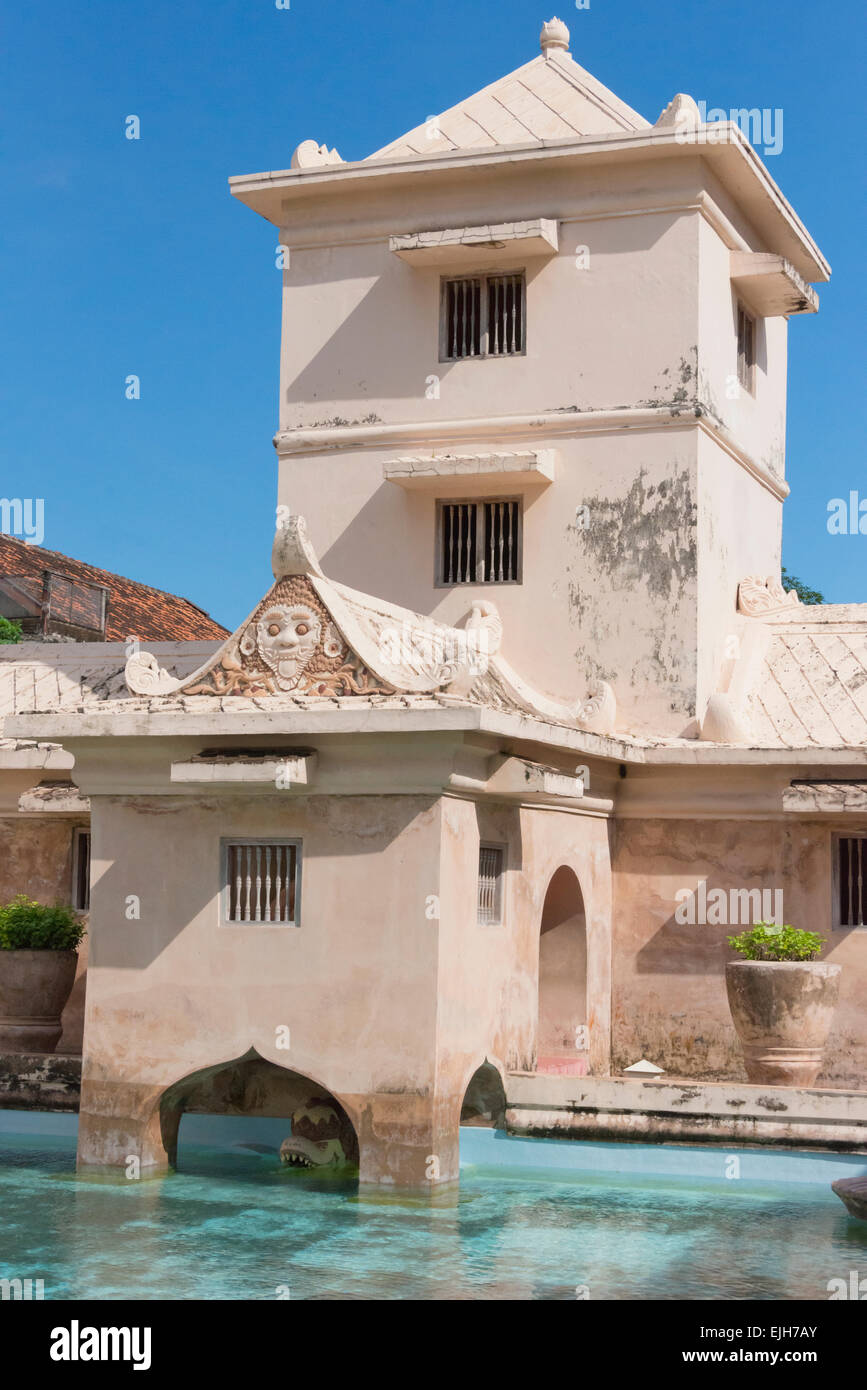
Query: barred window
point(483, 316)
point(746, 349)
point(81, 870)
point(261, 881)
point(851, 880)
point(480, 542)
point(490, 904)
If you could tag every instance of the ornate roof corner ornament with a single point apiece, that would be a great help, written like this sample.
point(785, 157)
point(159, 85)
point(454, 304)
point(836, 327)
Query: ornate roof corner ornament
point(482, 634)
point(292, 552)
point(759, 596)
point(598, 713)
point(311, 155)
point(595, 715)
point(144, 676)
point(681, 112)
point(554, 36)
point(723, 722)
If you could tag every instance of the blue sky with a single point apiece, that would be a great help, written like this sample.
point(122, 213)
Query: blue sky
point(129, 257)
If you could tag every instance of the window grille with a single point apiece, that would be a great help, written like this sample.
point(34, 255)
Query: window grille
point(852, 879)
point(483, 316)
point(81, 870)
point(746, 348)
point(480, 542)
point(261, 882)
point(490, 907)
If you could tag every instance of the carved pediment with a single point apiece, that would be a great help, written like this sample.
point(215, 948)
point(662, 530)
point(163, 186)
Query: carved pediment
point(288, 645)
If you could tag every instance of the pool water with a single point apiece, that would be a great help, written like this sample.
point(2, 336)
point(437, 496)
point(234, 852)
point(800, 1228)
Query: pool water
point(235, 1225)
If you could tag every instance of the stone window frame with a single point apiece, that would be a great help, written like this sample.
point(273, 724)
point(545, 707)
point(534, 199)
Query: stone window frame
point(262, 842)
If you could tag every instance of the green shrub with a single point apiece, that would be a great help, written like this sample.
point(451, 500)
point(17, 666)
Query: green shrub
point(10, 630)
point(767, 941)
point(26, 925)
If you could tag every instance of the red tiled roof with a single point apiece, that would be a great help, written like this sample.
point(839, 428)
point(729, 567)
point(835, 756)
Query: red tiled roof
point(134, 610)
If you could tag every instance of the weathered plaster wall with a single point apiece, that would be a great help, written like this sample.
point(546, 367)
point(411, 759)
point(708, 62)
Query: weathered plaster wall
point(645, 320)
point(488, 975)
point(669, 995)
point(609, 592)
point(392, 993)
point(36, 859)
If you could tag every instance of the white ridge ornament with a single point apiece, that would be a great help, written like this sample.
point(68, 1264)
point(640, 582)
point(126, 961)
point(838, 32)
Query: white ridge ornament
point(554, 36)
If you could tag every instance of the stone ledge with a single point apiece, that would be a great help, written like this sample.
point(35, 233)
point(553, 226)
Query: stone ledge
point(39, 1081)
point(614, 1108)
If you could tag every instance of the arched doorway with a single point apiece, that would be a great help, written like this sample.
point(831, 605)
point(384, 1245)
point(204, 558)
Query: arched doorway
point(313, 1129)
point(562, 1040)
point(484, 1102)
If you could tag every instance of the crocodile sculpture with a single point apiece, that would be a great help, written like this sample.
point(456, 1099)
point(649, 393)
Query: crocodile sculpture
point(321, 1137)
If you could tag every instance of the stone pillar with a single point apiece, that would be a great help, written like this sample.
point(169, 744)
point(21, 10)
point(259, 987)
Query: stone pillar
point(119, 1121)
point(408, 1140)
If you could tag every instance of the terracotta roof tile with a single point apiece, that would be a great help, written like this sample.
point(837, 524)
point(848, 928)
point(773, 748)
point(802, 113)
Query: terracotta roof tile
point(134, 610)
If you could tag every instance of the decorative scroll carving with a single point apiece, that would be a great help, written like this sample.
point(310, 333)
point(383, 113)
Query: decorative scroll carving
point(758, 596)
point(145, 676)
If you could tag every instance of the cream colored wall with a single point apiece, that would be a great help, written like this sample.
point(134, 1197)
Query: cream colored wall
point(757, 421)
point(354, 983)
point(361, 326)
point(643, 597)
point(489, 975)
point(739, 534)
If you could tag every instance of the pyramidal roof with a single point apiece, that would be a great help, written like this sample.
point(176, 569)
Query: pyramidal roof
point(550, 98)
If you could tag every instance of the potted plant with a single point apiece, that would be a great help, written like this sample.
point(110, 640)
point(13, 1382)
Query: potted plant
point(38, 956)
point(782, 1001)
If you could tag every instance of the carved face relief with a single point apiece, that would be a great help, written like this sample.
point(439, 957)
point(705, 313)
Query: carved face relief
point(285, 638)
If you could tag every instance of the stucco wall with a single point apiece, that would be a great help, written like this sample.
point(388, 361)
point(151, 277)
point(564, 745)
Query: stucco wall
point(488, 975)
point(361, 326)
point(36, 859)
point(632, 553)
point(669, 996)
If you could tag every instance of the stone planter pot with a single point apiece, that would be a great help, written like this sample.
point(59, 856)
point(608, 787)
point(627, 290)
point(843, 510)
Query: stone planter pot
point(34, 988)
point(782, 1012)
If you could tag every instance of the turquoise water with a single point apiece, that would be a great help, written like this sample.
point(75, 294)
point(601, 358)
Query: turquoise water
point(234, 1225)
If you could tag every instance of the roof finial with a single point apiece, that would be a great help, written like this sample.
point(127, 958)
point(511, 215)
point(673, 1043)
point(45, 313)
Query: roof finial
point(554, 35)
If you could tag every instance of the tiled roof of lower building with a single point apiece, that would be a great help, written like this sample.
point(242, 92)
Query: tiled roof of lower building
point(134, 609)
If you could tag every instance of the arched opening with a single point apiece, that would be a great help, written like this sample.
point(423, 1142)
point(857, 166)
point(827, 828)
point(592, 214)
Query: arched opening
point(300, 1124)
point(562, 1038)
point(484, 1102)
